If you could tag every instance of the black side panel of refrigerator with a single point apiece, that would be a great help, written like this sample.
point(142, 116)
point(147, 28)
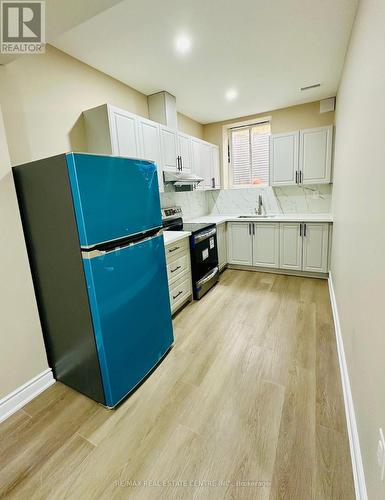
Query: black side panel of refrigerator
point(47, 212)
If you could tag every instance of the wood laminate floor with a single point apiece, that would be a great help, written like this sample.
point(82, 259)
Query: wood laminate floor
point(247, 405)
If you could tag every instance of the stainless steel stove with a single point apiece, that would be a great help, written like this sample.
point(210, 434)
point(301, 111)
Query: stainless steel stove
point(203, 249)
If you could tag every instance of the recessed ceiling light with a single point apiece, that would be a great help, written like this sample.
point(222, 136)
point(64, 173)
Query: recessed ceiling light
point(311, 86)
point(231, 94)
point(183, 44)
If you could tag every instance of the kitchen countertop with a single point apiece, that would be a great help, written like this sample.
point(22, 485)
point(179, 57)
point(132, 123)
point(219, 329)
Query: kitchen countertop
point(173, 236)
point(220, 219)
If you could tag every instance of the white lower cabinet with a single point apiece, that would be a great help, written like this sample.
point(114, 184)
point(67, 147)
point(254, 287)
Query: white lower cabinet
point(295, 246)
point(179, 273)
point(290, 251)
point(239, 243)
point(315, 247)
point(266, 244)
point(222, 245)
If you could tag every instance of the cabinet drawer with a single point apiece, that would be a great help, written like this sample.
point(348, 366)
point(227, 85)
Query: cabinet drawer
point(180, 290)
point(174, 249)
point(177, 267)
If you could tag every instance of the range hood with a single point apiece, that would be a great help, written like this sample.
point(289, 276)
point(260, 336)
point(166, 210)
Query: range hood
point(180, 179)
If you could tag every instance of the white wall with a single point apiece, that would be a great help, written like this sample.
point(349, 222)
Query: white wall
point(358, 257)
point(22, 353)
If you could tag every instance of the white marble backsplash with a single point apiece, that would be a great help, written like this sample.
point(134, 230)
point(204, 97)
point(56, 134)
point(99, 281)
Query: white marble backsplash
point(291, 199)
point(193, 203)
point(288, 200)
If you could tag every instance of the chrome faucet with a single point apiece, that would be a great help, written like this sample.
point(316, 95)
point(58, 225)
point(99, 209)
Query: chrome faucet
point(259, 209)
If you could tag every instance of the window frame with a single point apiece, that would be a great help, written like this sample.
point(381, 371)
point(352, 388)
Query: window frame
point(227, 147)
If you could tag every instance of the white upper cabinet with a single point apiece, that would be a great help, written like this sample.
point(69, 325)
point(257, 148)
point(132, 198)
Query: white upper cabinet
point(196, 160)
point(301, 157)
point(124, 133)
point(239, 243)
point(266, 244)
point(206, 164)
point(215, 168)
point(149, 145)
point(315, 156)
point(113, 131)
point(185, 153)
point(290, 254)
point(284, 159)
point(315, 247)
point(169, 148)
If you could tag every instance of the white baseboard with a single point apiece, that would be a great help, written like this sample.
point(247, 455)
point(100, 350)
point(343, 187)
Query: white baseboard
point(354, 442)
point(25, 393)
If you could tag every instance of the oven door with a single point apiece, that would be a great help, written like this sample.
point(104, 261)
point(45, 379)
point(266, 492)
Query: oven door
point(204, 253)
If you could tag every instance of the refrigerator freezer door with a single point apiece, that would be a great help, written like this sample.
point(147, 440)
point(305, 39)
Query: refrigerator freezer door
point(113, 197)
point(130, 307)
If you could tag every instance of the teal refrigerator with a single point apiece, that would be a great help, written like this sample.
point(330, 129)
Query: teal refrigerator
point(93, 230)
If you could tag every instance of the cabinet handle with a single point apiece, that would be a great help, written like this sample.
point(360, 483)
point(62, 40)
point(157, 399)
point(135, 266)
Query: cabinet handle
point(300, 176)
point(296, 177)
point(213, 182)
point(300, 229)
point(181, 163)
point(173, 270)
point(304, 230)
point(173, 249)
point(177, 295)
point(249, 229)
point(253, 229)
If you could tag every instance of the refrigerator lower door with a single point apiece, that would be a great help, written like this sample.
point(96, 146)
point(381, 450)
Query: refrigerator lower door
point(130, 307)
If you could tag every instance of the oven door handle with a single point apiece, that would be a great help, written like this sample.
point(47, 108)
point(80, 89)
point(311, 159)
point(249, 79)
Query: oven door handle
point(205, 235)
point(208, 277)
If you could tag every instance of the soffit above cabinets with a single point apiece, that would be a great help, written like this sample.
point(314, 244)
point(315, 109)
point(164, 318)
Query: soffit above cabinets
point(264, 50)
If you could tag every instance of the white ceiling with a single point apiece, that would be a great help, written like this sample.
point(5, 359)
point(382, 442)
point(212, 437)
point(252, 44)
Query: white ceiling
point(266, 49)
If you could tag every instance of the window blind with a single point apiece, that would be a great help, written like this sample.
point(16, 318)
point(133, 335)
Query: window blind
point(249, 154)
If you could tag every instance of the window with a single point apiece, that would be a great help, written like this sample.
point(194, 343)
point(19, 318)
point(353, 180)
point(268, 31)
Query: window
point(249, 155)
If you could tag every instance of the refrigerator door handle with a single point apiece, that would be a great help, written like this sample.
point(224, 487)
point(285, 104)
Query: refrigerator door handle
point(93, 254)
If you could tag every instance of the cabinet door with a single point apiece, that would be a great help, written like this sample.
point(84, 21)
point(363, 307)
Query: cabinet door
point(205, 163)
point(240, 250)
point(284, 159)
point(124, 136)
point(196, 161)
point(315, 157)
point(184, 149)
point(222, 244)
point(169, 148)
point(149, 143)
point(215, 168)
point(315, 247)
point(290, 244)
point(266, 244)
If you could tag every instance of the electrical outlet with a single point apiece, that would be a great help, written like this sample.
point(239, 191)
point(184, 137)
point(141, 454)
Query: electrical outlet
point(381, 454)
